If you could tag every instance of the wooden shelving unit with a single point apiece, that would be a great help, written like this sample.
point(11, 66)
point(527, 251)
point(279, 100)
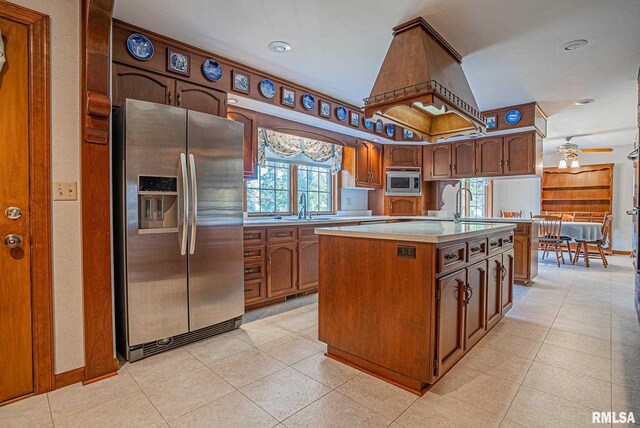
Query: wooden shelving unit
point(585, 189)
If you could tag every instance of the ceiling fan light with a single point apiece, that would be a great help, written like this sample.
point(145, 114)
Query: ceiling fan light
point(575, 163)
point(562, 164)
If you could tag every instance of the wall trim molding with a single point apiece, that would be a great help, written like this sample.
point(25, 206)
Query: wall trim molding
point(69, 377)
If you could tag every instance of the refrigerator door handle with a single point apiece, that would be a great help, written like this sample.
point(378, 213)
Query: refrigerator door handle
point(194, 197)
point(633, 211)
point(185, 204)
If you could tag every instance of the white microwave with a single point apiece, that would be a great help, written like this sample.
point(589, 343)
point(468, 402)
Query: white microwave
point(403, 182)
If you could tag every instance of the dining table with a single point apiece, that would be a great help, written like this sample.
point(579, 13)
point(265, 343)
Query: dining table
point(581, 231)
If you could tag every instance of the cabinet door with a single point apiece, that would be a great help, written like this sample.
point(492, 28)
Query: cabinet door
point(521, 257)
point(464, 159)
point(282, 272)
point(489, 157)
point(199, 98)
point(254, 291)
point(450, 313)
point(130, 82)
point(441, 161)
point(250, 140)
point(427, 162)
point(363, 177)
point(494, 281)
point(375, 164)
point(403, 205)
point(308, 264)
point(519, 154)
point(403, 155)
point(507, 281)
point(475, 304)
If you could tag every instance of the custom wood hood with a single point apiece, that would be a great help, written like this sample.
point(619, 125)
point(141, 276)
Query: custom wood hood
point(421, 86)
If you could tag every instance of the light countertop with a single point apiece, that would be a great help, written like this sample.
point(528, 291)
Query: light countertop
point(421, 231)
point(326, 219)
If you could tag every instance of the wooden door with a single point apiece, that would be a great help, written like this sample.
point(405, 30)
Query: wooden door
point(521, 256)
point(199, 98)
point(308, 254)
point(130, 82)
point(441, 161)
point(403, 205)
point(363, 177)
point(249, 140)
point(403, 155)
point(507, 280)
point(282, 269)
point(464, 159)
point(494, 282)
point(375, 165)
point(16, 363)
point(489, 157)
point(450, 315)
point(475, 304)
point(519, 154)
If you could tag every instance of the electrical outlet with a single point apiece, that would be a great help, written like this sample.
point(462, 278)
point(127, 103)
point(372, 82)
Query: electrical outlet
point(65, 191)
point(348, 202)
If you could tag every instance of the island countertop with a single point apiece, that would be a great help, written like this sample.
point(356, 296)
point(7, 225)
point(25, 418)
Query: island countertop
point(420, 231)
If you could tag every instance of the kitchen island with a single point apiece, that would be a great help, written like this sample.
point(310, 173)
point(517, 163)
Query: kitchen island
point(405, 301)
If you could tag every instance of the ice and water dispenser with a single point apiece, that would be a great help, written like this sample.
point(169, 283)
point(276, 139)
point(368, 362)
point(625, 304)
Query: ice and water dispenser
point(157, 204)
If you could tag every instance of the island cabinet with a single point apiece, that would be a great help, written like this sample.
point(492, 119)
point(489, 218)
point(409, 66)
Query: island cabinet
point(362, 165)
point(453, 293)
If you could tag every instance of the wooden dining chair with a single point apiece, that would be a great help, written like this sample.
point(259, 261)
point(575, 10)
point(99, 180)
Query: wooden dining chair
point(600, 244)
point(549, 236)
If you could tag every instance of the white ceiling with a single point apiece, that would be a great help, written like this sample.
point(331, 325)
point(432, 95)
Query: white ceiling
point(509, 48)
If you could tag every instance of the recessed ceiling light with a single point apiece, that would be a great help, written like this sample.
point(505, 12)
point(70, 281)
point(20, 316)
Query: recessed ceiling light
point(573, 45)
point(584, 102)
point(232, 101)
point(279, 47)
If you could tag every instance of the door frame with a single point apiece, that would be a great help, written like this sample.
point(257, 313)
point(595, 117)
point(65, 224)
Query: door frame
point(39, 193)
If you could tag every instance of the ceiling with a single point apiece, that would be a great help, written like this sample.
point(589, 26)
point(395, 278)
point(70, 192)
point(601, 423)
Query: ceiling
point(509, 49)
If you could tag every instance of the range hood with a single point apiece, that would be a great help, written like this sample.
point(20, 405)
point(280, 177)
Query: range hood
point(421, 86)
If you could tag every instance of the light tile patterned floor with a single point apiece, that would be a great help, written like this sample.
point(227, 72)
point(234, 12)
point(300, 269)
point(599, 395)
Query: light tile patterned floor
point(570, 345)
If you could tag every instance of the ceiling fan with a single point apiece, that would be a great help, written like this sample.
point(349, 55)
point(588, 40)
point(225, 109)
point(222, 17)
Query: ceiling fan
point(570, 152)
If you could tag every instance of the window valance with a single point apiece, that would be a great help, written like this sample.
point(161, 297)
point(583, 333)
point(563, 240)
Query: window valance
point(290, 146)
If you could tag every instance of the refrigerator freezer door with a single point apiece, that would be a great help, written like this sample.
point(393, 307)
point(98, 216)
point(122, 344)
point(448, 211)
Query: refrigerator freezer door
point(156, 271)
point(216, 274)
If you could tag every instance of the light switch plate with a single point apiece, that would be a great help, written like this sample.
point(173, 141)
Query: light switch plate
point(65, 191)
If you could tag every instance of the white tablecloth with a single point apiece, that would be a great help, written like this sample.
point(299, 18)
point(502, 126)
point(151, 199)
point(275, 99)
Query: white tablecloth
point(582, 231)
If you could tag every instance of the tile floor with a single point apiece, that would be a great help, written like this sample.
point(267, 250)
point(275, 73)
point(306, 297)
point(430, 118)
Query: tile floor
point(570, 345)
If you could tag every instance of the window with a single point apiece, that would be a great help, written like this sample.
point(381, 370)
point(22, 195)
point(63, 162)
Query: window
point(481, 203)
point(315, 181)
point(273, 190)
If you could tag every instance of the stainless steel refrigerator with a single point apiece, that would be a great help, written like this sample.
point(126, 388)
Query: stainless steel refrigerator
point(178, 197)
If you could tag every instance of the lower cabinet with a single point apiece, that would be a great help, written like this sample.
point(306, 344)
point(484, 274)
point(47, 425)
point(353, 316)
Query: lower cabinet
point(282, 269)
point(450, 314)
point(508, 260)
point(308, 272)
point(494, 282)
point(475, 295)
point(403, 205)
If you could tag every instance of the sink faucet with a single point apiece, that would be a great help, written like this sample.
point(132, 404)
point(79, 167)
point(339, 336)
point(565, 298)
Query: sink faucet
point(457, 214)
point(302, 215)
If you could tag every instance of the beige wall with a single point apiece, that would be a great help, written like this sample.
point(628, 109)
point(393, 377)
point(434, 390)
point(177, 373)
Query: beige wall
point(65, 157)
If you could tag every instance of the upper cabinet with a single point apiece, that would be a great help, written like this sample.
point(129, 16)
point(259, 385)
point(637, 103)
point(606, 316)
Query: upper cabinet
point(200, 98)
point(396, 155)
point(464, 159)
point(362, 166)
point(489, 157)
point(436, 160)
point(519, 154)
point(250, 139)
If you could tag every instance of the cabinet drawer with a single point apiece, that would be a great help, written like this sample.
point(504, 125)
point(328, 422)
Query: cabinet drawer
point(276, 235)
point(476, 250)
point(254, 255)
point(307, 233)
point(451, 257)
point(254, 237)
point(507, 240)
point(254, 291)
point(494, 244)
point(254, 271)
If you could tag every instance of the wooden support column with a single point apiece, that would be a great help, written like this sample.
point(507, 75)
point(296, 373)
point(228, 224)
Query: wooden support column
point(96, 219)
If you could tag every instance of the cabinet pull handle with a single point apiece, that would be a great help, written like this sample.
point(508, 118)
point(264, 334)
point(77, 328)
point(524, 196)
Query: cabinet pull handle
point(250, 253)
point(251, 270)
point(504, 271)
point(476, 249)
point(269, 260)
point(247, 237)
point(170, 97)
point(449, 257)
point(467, 297)
point(494, 244)
point(179, 98)
point(248, 291)
point(282, 235)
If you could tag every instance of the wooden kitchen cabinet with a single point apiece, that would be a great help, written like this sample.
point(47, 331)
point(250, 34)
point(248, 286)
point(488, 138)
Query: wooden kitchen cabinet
point(519, 154)
point(494, 291)
point(436, 160)
point(308, 272)
point(376, 165)
point(507, 278)
point(362, 166)
point(489, 157)
point(200, 98)
point(464, 159)
point(450, 328)
point(403, 205)
point(475, 304)
point(396, 155)
point(282, 269)
point(249, 139)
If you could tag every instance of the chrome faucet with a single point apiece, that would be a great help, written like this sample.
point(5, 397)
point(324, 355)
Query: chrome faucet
point(457, 214)
point(302, 215)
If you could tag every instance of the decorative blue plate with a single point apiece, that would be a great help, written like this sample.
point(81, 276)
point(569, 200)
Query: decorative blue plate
point(407, 134)
point(491, 122)
point(368, 124)
point(512, 117)
point(379, 126)
point(341, 113)
point(308, 101)
point(212, 70)
point(390, 130)
point(267, 88)
point(140, 47)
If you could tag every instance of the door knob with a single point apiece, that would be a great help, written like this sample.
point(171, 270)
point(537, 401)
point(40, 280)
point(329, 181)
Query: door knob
point(12, 241)
point(13, 213)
